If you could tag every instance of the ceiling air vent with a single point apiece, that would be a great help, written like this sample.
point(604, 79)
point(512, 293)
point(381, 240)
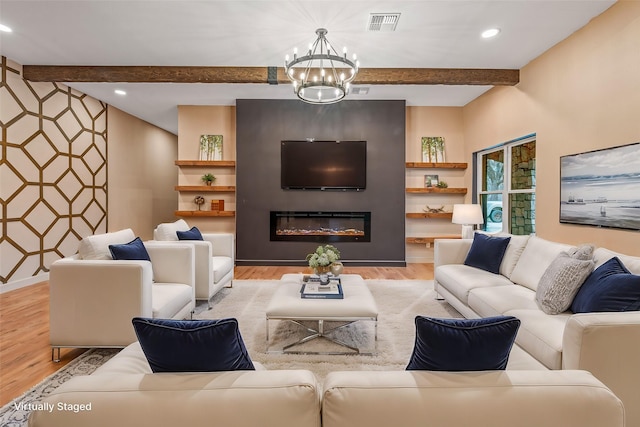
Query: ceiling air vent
point(359, 90)
point(383, 21)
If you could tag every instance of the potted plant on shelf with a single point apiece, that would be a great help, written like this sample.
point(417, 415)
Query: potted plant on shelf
point(208, 178)
point(322, 260)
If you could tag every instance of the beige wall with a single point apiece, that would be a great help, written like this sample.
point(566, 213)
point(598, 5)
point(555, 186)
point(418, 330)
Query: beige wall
point(142, 174)
point(194, 121)
point(432, 121)
point(581, 95)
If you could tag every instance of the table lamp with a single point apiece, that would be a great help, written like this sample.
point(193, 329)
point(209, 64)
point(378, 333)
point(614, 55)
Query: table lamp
point(467, 215)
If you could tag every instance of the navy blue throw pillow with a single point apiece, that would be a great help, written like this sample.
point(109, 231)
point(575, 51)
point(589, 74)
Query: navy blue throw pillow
point(486, 252)
point(193, 234)
point(192, 345)
point(463, 344)
point(611, 287)
point(134, 250)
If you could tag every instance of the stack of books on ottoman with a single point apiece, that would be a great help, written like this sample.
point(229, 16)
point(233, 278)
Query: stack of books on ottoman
point(311, 288)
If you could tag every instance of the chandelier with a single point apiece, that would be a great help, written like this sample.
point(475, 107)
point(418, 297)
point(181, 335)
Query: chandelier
point(321, 76)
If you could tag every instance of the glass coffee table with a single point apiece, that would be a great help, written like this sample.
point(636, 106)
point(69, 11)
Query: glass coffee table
point(357, 305)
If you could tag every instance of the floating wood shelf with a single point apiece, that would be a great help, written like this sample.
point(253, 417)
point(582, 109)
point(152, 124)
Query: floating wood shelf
point(423, 165)
point(414, 215)
point(207, 188)
point(447, 190)
point(429, 240)
point(205, 213)
point(212, 163)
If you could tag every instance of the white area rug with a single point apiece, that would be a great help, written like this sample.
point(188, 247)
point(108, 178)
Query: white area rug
point(399, 302)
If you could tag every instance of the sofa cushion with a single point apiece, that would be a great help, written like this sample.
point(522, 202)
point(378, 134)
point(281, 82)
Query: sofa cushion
point(97, 246)
point(541, 334)
point(538, 254)
point(561, 281)
point(222, 265)
point(463, 344)
point(611, 287)
point(459, 279)
point(631, 263)
point(497, 300)
point(134, 250)
point(167, 299)
point(486, 252)
point(167, 230)
point(192, 346)
point(192, 234)
point(512, 254)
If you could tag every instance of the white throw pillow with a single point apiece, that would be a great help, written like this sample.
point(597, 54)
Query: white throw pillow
point(512, 255)
point(167, 230)
point(97, 246)
point(561, 281)
point(536, 257)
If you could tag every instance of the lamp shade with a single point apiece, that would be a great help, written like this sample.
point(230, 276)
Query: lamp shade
point(467, 214)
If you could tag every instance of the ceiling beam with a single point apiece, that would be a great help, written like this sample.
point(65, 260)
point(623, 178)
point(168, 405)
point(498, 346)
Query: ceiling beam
point(166, 74)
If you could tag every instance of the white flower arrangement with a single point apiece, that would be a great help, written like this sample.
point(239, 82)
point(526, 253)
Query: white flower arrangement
point(324, 256)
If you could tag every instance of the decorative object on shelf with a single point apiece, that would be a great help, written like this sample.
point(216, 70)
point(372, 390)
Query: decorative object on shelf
point(467, 215)
point(337, 268)
point(217, 205)
point(199, 200)
point(321, 261)
point(431, 181)
point(433, 149)
point(433, 209)
point(208, 178)
point(321, 76)
point(442, 184)
point(210, 147)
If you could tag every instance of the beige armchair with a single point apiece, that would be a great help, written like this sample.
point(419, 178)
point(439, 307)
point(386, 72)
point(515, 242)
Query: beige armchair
point(215, 257)
point(93, 298)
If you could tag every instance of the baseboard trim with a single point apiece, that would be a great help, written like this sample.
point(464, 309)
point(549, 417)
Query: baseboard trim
point(23, 283)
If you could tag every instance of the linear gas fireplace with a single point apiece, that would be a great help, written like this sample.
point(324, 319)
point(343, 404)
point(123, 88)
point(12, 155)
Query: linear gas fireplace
point(321, 226)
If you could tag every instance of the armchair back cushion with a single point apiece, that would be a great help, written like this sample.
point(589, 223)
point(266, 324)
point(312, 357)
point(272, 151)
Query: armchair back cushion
point(167, 230)
point(97, 246)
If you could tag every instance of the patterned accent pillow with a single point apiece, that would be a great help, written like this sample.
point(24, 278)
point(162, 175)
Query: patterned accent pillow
point(561, 281)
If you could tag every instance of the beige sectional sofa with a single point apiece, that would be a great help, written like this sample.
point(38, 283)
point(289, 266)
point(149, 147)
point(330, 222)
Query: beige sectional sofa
point(124, 392)
point(606, 344)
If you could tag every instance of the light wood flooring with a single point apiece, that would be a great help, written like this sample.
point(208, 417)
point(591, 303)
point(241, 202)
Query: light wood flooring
point(25, 355)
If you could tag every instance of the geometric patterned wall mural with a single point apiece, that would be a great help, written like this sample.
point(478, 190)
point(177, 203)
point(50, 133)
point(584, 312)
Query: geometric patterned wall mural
point(53, 172)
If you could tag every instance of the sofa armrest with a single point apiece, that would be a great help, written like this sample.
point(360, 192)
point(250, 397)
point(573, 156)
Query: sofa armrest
point(451, 251)
point(172, 262)
point(92, 302)
point(222, 243)
point(235, 398)
point(606, 344)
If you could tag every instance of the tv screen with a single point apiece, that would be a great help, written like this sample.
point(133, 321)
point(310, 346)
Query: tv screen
point(324, 165)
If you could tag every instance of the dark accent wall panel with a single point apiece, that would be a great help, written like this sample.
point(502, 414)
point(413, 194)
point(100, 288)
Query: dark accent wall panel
point(260, 127)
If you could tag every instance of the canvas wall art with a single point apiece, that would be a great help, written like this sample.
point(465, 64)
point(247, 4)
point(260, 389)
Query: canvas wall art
point(601, 188)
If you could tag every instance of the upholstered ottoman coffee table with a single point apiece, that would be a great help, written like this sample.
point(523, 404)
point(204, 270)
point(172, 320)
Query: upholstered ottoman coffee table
point(357, 305)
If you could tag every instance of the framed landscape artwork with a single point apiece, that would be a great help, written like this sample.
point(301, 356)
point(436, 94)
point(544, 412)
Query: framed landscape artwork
point(601, 188)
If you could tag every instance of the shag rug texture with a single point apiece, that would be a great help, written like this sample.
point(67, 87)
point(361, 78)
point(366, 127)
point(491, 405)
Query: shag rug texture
point(399, 302)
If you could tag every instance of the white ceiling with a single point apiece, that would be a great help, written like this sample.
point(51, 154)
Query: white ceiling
point(430, 34)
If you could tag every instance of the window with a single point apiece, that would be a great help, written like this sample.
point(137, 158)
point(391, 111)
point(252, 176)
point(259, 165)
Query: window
point(507, 184)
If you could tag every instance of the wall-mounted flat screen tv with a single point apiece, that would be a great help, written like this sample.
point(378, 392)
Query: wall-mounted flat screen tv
point(323, 165)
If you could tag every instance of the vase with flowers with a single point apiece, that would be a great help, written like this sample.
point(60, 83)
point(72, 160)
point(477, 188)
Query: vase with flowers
point(321, 261)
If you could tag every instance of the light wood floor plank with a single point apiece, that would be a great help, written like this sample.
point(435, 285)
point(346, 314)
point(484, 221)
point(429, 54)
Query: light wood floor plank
point(25, 355)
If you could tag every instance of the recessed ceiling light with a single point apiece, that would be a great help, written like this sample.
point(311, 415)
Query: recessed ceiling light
point(492, 32)
point(5, 29)
point(120, 92)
